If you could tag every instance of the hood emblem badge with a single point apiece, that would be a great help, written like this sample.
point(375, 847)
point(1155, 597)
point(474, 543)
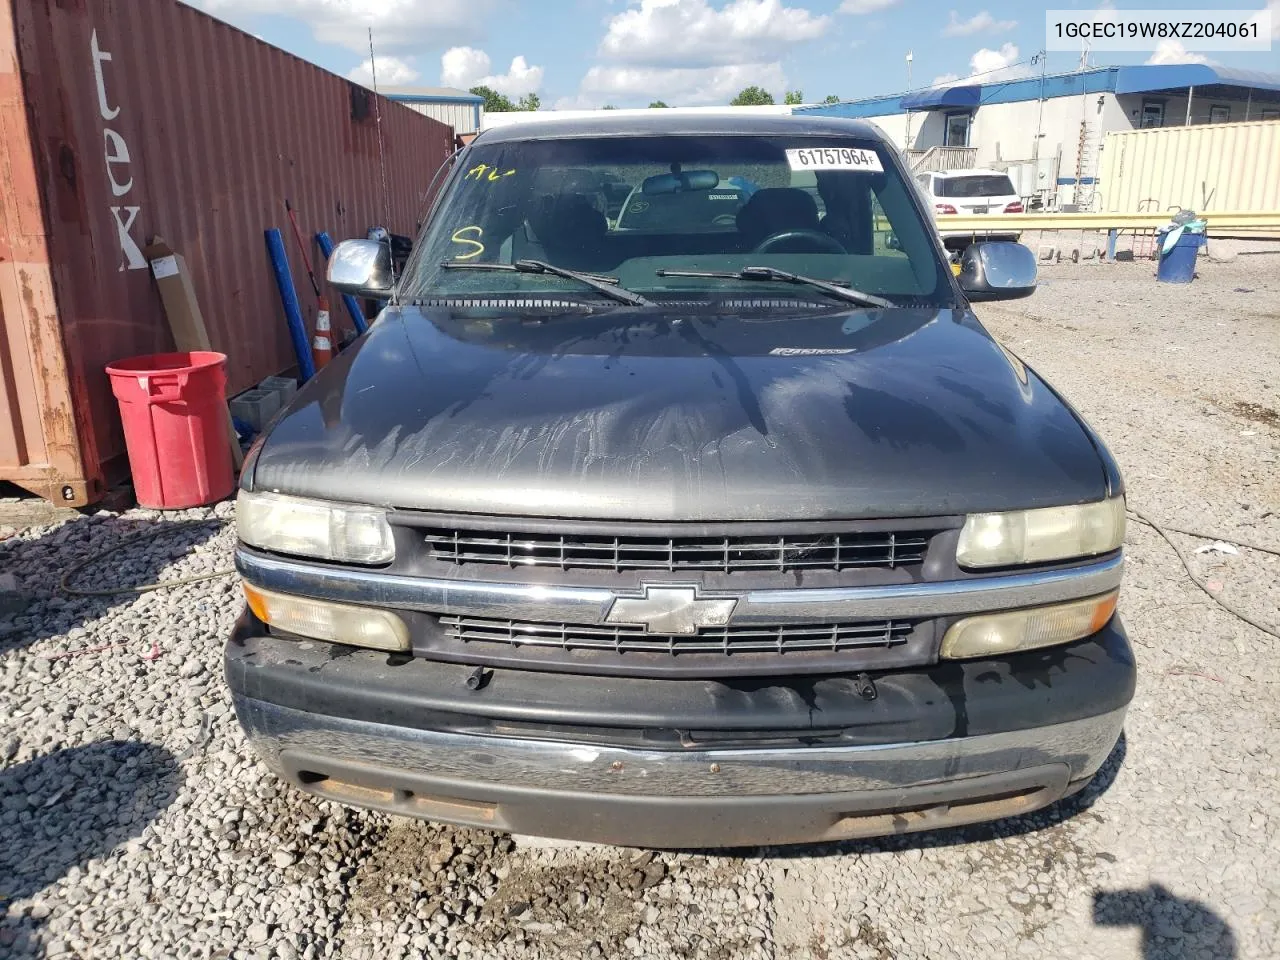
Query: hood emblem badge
point(671, 609)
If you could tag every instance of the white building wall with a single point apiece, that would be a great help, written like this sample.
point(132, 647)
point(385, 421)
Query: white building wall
point(460, 116)
point(894, 127)
point(1175, 108)
point(1006, 133)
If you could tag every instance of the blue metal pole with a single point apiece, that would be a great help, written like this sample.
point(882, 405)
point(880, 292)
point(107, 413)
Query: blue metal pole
point(289, 298)
point(353, 305)
point(1111, 245)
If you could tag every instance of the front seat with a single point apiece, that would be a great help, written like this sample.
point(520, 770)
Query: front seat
point(568, 229)
point(776, 210)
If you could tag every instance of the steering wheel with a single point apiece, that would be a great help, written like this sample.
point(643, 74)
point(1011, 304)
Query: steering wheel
point(825, 243)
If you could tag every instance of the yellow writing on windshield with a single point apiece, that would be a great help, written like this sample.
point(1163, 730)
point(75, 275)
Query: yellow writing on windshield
point(458, 237)
point(484, 172)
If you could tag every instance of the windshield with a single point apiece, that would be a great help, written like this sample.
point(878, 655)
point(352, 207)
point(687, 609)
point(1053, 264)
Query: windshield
point(976, 186)
point(629, 208)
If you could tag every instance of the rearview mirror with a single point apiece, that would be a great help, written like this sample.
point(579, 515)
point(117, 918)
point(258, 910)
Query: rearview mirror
point(680, 182)
point(997, 270)
point(361, 268)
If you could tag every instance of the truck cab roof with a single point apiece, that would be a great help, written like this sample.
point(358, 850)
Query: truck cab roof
point(665, 123)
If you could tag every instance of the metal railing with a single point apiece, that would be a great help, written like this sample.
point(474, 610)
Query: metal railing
point(942, 158)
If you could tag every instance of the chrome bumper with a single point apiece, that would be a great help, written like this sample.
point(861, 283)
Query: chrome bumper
point(567, 604)
point(696, 798)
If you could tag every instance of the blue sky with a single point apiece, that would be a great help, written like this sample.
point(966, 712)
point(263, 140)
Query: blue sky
point(586, 53)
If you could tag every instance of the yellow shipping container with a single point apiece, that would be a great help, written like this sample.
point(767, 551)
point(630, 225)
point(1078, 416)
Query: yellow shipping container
point(1225, 166)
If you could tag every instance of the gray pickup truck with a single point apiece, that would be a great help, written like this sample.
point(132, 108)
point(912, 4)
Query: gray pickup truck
point(677, 498)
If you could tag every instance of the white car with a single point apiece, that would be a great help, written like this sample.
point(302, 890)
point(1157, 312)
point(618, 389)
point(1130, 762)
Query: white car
point(969, 192)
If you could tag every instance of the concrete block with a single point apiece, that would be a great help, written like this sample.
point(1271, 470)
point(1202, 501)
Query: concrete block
point(256, 407)
point(285, 386)
point(18, 513)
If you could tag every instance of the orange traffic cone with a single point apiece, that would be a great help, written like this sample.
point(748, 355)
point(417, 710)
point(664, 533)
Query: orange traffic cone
point(322, 345)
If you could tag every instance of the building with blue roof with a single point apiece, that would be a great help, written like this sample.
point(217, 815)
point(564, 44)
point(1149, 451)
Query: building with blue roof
point(1048, 131)
point(461, 110)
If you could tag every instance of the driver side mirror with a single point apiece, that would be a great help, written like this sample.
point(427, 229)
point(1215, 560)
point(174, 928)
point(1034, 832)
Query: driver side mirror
point(361, 268)
point(997, 270)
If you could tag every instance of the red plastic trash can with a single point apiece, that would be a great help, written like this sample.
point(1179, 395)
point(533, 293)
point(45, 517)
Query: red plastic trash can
point(174, 410)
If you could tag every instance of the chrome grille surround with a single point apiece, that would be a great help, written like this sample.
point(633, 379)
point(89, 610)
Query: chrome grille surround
point(512, 621)
point(571, 604)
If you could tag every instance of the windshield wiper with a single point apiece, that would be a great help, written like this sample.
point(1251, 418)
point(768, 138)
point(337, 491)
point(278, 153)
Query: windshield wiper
point(847, 294)
point(606, 285)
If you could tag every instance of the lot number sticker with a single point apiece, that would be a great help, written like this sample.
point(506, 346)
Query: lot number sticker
point(834, 158)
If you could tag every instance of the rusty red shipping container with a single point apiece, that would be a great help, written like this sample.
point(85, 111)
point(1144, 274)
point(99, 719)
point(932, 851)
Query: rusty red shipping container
point(121, 120)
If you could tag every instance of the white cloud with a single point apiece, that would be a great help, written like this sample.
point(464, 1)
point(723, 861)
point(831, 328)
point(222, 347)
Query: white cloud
point(679, 86)
point(392, 72)
point(579, 101)
point(1274, 7)
point(1172, 51)
point(982, 22)
point(467, 67)
point(858, 7)
point(997, 65)
point(989, 66)
point(985, 59)
point(399, 26)
point(692, 33)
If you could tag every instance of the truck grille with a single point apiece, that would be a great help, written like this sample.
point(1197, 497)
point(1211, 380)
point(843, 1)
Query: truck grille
point(790, 638)
point(729, 554)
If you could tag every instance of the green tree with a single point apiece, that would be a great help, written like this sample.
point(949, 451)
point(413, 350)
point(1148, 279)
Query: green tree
point(530, 101)
point(830, 98)
point(494, 102)
point(793, 98)
point(608, 106)
point(752, 96)
point(657, 103)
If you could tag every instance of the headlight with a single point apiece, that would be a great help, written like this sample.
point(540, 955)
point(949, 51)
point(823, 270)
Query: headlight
point(313, 528)
point(1036, 536)
point(1013, 631)
point(335, 622)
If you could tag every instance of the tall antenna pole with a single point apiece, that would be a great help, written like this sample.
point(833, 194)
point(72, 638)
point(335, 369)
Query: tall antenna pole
point(907, 145)
point(1043, 57)
point(382, 152)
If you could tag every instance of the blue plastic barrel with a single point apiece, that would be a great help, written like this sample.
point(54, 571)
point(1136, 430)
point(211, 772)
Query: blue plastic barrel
point(1179, 264)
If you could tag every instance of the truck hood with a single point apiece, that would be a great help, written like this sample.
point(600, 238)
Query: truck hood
point(627, 414)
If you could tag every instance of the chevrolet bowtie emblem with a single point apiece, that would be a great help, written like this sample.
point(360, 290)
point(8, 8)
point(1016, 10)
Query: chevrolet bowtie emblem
point(672, 609)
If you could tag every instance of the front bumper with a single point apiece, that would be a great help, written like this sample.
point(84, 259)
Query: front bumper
point(591, 758)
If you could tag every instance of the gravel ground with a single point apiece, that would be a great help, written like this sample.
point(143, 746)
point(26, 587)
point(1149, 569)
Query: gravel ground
point(137, 823)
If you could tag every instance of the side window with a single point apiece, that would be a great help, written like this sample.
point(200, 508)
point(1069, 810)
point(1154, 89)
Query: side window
point(884, 241)
point(924, 181)
point(901, 236)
